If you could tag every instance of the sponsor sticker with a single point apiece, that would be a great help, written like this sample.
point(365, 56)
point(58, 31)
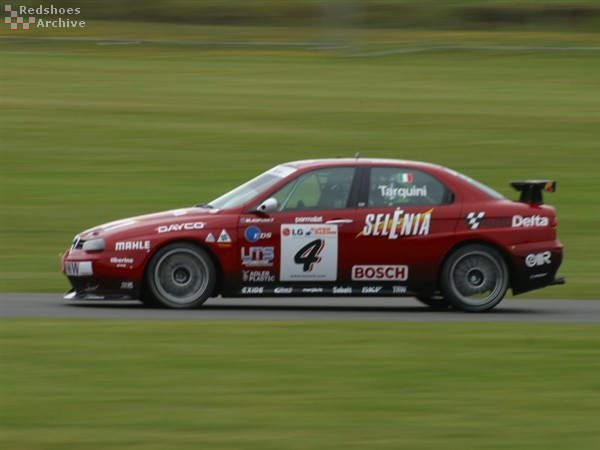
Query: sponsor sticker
point(254, 234)
point(474, 219)
point(258, 276)
point(529, 222)
point(283, 290)
point(380, 273)
point(132, 245)
point(345, 290)
point(312, 219)
point(538, 259)
point(258, 256)
point(210, 238)
point(371, 289)
point(397, 224)
point(224, 237)
point(127, 285)
point(256, 220)
point(189, 226)
point(399, 289)
point(253, 290)
point(308, 252)
point(312, 290)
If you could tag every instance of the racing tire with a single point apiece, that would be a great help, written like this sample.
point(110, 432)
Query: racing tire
point(474, 278)
point(437, 302)
point(181, 276)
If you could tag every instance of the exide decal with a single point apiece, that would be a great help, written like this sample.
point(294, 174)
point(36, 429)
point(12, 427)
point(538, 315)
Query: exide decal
point(398, 224)
point(380, 273)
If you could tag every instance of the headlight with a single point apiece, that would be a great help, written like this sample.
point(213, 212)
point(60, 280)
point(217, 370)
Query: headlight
point(95, 245)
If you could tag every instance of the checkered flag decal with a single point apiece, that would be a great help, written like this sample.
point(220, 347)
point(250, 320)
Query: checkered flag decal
point(14, 20)
point(474, 219)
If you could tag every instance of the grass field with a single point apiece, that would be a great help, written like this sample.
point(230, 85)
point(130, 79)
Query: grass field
point(91, 133)
point(225, 385)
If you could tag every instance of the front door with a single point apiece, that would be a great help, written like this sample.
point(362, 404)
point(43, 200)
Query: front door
point(306, 246)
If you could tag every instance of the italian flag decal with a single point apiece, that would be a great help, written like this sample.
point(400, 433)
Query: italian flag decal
point(406, 178)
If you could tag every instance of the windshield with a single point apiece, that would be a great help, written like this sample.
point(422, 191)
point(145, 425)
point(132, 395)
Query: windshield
point(253, 188)
point(482, 187)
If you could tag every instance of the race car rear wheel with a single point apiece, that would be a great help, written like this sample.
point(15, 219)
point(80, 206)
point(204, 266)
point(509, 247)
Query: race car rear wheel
point(181, 276)
point(474, 278)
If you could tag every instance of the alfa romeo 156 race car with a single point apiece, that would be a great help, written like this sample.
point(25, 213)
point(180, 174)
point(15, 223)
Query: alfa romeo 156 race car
point(331, 227)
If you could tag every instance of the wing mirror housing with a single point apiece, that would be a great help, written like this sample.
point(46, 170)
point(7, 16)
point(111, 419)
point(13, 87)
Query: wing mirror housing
point(268, 206)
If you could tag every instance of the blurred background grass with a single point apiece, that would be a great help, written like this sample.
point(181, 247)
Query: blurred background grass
point(258, 385)
point(99, 129)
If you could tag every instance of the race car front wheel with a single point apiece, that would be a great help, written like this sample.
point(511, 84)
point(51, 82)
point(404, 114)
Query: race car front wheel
point(181, 276)
point(474, 278)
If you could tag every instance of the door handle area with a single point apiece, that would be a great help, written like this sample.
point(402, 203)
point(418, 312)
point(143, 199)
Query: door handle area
point(339, 221)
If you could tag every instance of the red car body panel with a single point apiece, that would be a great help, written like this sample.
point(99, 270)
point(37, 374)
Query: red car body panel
point(379, 250)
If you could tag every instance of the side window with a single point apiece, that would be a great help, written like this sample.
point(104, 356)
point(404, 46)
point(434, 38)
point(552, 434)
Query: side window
point(320, 189)
point(394, 186)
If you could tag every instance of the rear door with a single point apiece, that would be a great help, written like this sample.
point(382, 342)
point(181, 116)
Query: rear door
point(405, 219)
point(306, 246)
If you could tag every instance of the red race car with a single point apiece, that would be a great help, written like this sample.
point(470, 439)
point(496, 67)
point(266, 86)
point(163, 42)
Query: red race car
point(331, 227)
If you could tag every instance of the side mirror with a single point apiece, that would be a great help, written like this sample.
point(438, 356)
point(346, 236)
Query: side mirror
point(268, 206)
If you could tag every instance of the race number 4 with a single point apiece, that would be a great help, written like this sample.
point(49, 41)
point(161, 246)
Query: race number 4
point(309, 252)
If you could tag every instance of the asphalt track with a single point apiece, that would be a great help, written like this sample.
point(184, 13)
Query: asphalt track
point(327, 309)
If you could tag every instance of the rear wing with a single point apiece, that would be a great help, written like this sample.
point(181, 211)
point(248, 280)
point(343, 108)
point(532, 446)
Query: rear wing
point(531, 190)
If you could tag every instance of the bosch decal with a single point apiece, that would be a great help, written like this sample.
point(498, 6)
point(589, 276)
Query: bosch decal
point(380, 272)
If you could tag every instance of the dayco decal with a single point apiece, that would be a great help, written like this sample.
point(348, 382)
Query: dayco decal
point(132, 245)
point(258, 276)
point(181, 227)
point(529, 222)
point(398, 224)
point(538, 259)
point(384, 273)
point(258, 256)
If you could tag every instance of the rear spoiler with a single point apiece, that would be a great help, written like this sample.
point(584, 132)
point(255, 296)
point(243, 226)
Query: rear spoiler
point(531, 190)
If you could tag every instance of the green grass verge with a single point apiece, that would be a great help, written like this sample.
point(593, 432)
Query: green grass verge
point(225, 385)
point(92, 133)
